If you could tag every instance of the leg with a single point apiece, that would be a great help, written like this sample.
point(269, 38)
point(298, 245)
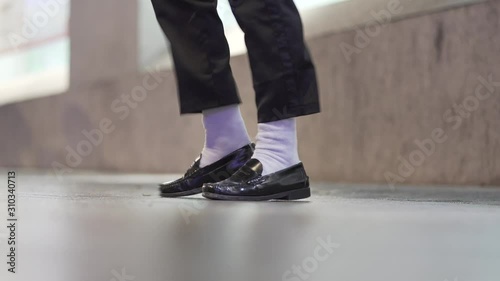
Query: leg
point(285, 87)
point(283, 75)
point(200, 52)
point(206, 85)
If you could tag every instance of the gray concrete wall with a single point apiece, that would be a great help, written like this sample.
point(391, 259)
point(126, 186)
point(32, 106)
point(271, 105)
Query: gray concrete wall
point(398, 87)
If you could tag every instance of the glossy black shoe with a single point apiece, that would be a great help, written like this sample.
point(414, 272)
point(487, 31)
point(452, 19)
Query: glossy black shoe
point(195, 176)
point(248, 184)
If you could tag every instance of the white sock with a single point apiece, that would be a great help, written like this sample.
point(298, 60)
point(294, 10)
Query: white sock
point(225, 132)
point(276, 146)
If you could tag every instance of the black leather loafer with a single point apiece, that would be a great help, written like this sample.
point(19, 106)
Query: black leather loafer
point(248, 184)
point(195, 176)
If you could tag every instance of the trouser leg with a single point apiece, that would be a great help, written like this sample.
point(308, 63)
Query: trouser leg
point(200, 53)
point(283, 73)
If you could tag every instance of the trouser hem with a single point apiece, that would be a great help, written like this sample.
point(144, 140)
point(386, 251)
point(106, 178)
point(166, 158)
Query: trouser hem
point(276, 115)
point(198, 108)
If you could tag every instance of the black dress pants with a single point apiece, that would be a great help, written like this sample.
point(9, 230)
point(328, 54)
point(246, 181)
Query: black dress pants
point(283, 74)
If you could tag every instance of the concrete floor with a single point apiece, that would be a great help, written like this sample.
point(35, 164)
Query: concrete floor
point(116, 228)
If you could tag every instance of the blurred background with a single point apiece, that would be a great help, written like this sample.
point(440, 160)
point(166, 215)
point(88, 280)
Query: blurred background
point(392, 74)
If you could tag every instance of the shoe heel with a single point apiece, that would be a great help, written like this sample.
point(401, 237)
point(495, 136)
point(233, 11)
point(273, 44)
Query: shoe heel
point(298, 194)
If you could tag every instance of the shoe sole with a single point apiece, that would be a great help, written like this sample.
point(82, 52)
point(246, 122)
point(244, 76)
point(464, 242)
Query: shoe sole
point(295, 194)
point(182, 193)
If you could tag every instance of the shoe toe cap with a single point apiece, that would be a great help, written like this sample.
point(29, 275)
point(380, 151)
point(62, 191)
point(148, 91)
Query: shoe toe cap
point(209, 187)
point(170, 187)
